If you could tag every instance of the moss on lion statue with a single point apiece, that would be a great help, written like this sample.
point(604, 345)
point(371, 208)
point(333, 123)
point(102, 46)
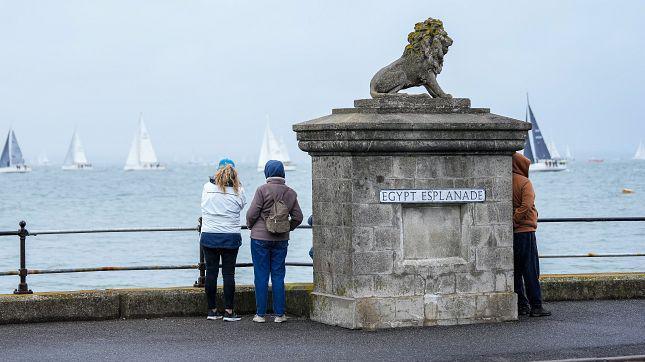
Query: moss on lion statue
point(420, 63)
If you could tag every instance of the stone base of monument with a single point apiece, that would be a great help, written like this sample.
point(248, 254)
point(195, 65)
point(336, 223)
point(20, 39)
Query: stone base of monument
point(412, 205)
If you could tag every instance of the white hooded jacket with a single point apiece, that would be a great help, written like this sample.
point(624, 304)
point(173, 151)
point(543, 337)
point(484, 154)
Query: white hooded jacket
point(221, 210)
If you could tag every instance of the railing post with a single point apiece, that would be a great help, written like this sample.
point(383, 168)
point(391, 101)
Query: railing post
point(202, 263)
point(23, 288)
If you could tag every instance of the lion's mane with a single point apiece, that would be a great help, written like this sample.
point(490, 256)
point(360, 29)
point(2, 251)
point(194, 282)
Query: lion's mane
point(430, 42)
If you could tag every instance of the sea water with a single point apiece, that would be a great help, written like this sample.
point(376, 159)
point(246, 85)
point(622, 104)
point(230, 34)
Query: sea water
point(108, 197)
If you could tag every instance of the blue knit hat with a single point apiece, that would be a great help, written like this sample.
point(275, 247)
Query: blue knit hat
point(226, 161)
point(273, 168)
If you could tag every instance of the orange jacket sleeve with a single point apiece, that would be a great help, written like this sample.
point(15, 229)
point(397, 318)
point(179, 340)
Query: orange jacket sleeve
point(523, 212)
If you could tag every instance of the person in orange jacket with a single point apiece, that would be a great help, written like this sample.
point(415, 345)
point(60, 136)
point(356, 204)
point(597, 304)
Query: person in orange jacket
point(525, 253)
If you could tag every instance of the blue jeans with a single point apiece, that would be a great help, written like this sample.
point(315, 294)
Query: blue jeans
point(268, 259)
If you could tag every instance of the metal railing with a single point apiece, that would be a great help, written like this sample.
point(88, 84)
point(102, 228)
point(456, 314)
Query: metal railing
point(22, 234)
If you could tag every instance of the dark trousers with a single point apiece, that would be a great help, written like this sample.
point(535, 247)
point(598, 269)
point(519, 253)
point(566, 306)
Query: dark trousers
point(212, 257)
point(527, 270)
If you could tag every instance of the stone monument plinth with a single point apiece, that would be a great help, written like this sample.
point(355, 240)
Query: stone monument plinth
point(412, 207)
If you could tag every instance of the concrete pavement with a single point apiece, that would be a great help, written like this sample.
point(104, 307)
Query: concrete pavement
point(576, 329)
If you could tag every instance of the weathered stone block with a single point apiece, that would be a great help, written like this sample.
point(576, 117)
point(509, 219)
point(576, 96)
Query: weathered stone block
point(363, 286)
point(372, 167)
point(475, 282)
point(502, 188)
point(457, 167)
point(372, 262)
point(339, 238)
point(342, 262)
point(440, 284)
point(431, 232)
point(456, 306)
point(373, 313)
point(504, 281)
point(331, 167)
point(334, 310)
point(323, 260)
point(503, 234)
point(434, 183)
point(478, 235)
point(372, 215)
point(411, 310)
point(322, 281)
point(429, 167)
point(362, 238)
point(404, 167)
point(398, 285)
point(341, 284)
point(386, 238)
point(327, 214)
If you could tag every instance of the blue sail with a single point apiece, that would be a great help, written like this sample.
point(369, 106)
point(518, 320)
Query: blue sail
point(528, 151)
point(11, 153)
point(4, 158)
point(541, 150)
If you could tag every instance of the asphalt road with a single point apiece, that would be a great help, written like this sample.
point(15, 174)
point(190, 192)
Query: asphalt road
point(576, 329)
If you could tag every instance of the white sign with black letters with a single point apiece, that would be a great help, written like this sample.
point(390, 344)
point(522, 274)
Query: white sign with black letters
point(432, 196)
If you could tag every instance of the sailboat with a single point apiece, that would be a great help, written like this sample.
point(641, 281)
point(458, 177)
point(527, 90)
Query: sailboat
point(567, 154)
point(43, 160)
point(11, 160)
point(555, 153)
point(274, 149)
point(75, 158)
point(142, 155)
point(640, 152)
point(553, 150)
point(541, 160)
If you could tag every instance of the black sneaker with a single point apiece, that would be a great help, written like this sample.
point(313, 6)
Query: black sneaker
point(539, 312)
point(214, 315)
point(231, 317)
point(524, 310)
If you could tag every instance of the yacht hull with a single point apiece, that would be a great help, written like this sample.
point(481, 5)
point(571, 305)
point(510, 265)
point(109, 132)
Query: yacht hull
point(76, 167)
point(543, 167)
point(144, 168)
point(14, 169)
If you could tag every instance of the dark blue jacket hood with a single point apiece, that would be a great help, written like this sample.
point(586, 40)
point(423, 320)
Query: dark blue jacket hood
point(273, 168)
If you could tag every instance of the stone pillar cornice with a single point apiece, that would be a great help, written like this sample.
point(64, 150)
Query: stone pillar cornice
point(412, 124)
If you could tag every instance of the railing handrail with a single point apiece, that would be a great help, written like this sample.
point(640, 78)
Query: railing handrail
point(118, 230)
point(244, 227)
point(22, 233)
point(591, 219)
point(131, 268)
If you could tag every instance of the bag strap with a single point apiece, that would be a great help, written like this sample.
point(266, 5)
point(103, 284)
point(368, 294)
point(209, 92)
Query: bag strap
point(274, 202)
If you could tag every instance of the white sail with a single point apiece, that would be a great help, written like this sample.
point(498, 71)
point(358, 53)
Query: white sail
point(146, 151)
point(142, 154)
point(567, 154)
point(42, 159)
point(640, 152)
point(273, 149)
point(11, 159)
point(553, 150)
point(76, 158)
point(284, 151)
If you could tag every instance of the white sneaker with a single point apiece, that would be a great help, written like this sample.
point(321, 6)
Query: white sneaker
point(258, 319)
point(280, 319)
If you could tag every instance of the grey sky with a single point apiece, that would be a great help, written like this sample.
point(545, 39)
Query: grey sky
point(205, 73)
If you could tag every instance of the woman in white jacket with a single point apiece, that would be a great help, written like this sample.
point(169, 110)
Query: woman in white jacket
point(222, 201)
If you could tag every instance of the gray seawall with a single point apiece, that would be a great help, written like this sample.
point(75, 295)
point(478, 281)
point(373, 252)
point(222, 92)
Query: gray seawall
point(187, 301)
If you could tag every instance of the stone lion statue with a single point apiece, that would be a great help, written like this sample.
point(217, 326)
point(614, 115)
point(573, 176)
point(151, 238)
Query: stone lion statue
point(420, 63)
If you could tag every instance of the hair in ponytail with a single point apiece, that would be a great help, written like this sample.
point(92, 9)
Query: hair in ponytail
point(227, 176)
